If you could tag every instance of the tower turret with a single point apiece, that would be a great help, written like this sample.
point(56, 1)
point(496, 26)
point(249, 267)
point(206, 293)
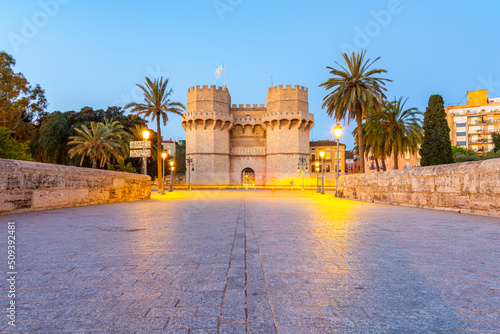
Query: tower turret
point(288, 123)
point(207, 122)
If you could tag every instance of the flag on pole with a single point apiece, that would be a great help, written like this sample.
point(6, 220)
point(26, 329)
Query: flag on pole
point(218, 70)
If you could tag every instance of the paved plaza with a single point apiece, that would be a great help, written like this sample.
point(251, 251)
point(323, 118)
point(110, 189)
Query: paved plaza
point(254, 262)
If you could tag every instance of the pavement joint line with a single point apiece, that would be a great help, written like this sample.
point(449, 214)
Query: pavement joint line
point(247, 316)
point(229, 267)
point(263, 274)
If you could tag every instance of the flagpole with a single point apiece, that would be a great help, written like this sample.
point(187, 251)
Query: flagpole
point(224, 68)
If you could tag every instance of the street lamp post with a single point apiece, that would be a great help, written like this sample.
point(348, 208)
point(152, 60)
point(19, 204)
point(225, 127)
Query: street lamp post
point(317, 177)
point(322, 154)
point(171, 187)
point(189, 161)
point(337, 131)
point(163, 155)
point(300, 167)
point(145, 135)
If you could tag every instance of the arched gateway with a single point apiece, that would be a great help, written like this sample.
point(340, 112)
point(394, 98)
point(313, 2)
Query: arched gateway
point(248, 177)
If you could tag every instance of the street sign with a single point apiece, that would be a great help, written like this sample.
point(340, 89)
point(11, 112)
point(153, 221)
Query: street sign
point(140, 153)
point(140, 144)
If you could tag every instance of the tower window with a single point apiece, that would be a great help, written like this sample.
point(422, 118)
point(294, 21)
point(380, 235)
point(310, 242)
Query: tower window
point(248, 116)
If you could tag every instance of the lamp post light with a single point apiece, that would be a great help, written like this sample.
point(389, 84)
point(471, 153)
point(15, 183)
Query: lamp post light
point(322, 154)
point(171, 187)
point(337, 131)
point(317, 177)
point(189, 161)
point(300, 167)
point(145, 136)
point(163, 155)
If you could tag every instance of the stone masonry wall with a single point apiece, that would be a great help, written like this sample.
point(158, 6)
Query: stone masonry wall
point(31, 186)
point(468, 187)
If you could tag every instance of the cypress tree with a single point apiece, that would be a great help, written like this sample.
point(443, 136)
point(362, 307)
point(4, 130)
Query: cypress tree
point(436, 146)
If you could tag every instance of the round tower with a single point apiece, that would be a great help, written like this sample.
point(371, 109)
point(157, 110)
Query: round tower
point(288, 123)
point(207, 122)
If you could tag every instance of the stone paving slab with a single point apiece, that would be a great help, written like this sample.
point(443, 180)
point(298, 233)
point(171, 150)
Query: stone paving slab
point(253, 262)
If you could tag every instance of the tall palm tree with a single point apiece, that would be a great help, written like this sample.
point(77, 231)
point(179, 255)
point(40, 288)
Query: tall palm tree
point(97, 143)
point(353, 91)
point(157, 104)
point(401, 129)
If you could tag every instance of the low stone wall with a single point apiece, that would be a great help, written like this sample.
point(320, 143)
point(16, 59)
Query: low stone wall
point(30, 186)
point(469, 187)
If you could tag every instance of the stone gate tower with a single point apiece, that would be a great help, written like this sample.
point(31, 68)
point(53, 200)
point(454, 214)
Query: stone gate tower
point(229, 143)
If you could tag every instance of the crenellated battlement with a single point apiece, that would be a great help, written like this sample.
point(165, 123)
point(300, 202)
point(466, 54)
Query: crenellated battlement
point(206, 87)
point(287, 87)
point(248, 107)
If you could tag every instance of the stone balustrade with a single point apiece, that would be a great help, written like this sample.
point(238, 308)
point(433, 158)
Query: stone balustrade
point(468, 187)
point(31, 186)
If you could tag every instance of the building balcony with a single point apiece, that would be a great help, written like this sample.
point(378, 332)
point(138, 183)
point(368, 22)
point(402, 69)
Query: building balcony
point(485, 131)
point(481, 141)
point(492, 121)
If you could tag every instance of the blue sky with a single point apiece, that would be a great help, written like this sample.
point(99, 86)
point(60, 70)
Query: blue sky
point(92, 53)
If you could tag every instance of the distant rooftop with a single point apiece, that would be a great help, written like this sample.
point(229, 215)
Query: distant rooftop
point(316, 143)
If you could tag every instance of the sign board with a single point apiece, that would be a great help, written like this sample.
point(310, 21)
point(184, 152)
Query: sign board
point(140, 144)
point(140, 153)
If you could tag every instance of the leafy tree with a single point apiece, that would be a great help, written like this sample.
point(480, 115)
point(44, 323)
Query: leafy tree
point(354, 89)
point(436, 146)
point(10, 148)
point(495, 136)
point(180, 158)
point(157, 104)
point(49, 143)
point(97, 142)
point(19, 100)
point(121, 166)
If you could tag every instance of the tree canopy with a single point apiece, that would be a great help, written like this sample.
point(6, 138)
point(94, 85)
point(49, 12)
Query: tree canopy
point(19, 100)
point(436, 145)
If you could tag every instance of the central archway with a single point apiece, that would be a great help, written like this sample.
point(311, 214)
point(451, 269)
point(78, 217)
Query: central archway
point(248, 177)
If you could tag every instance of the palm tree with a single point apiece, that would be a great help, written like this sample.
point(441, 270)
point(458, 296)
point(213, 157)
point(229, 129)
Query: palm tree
point(353, 91)
point(401, 129)
point(156, 104)
point(119, 133)
point(97, 143)
point(375, 138)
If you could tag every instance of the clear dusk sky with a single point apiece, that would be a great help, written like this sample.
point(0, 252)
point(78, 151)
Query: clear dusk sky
point(92, 53)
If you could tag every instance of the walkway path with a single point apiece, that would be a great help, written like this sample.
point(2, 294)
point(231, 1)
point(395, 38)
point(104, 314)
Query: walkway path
point(254, 262)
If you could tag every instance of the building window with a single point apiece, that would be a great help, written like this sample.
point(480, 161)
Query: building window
point(313, 149)
point(313, 157)
point(461, 143)
point(327, 170)
point(328, 156)
point(461, 134)
point(460, 125)
point(407, 164)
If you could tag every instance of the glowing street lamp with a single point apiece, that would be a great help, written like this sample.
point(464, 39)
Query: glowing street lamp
point(163, 156)
point(322, 154)
point(337, 131)
point(145, 136)
point(171, 187)
point(317, 181)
